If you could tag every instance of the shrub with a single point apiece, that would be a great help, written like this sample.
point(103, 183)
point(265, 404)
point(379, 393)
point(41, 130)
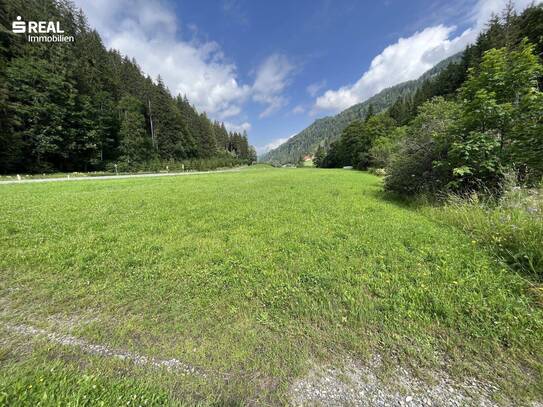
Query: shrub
point(353, 147)
point(418, 167)
point(475, 162)
point(385, 147)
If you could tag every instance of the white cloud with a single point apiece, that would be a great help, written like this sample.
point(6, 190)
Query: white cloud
point(239, 128)
point(149, 32)
point(273, 144)
point(407, 59)
point(314, 88)
point(410, 57)
point(299, 109)
point(272, 77)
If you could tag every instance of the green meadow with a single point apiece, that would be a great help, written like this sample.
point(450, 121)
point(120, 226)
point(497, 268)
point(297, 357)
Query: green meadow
point(250, 277)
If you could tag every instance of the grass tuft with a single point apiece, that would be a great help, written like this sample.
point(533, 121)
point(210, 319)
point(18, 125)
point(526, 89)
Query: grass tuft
point(512, 227)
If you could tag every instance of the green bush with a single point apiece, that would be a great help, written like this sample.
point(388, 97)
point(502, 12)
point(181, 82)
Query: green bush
point(353, 147)
point(418, 167)
point(476, 164)
point(411, 172)
point(384, 148)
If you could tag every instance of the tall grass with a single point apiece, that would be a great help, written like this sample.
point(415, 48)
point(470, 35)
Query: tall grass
point(512, 226)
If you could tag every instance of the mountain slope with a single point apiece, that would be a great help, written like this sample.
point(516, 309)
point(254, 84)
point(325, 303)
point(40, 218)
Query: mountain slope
point(328, 129)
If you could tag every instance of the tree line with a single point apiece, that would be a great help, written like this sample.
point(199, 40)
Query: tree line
point(77, 106)
point(466, 129)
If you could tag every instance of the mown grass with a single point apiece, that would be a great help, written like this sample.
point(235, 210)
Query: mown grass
point(56, 384)
point(251, 276)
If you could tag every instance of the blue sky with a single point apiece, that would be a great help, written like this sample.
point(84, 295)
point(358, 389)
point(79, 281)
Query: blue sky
point(273, 67)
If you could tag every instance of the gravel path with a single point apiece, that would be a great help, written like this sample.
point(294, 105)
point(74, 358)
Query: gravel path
point(103, 177)
point(357, 385)
point(353, 384)
point(105, 351)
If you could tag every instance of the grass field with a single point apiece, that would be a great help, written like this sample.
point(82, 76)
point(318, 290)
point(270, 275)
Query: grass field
point(250, 277)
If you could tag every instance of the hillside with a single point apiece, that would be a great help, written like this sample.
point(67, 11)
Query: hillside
point(97, 108)
point(328, 129)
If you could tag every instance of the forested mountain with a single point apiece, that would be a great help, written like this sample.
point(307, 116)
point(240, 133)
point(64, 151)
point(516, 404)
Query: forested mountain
point(72, 106)
point(403, 100)
point(328, 129)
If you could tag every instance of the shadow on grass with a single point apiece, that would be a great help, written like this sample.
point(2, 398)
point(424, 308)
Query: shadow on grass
point(412, 203)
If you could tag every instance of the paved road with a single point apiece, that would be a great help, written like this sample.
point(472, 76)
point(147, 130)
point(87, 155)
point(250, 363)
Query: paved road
point(101, 177)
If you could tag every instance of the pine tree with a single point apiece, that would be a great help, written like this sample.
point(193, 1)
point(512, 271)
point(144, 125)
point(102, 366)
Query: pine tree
point(135, 144)
point(206, 144)
point(44, 101)
point(320, 154)
point(370, 112)
point(9, 142)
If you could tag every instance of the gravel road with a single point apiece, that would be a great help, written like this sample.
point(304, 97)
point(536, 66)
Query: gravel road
point(104, 177)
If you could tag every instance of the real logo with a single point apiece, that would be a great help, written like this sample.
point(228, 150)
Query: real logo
point(40, 27)
point(36, 27)
point(18, 27)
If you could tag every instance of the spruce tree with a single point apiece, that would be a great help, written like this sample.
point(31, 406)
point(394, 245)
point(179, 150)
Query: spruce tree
point(135, 144)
